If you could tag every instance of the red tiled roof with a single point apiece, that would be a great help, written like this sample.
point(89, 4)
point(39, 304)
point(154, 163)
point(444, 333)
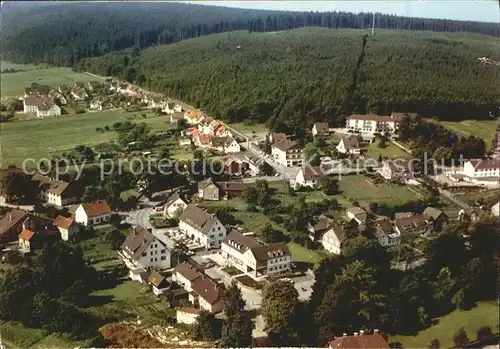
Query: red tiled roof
point(63, 222)
point(96, 208)
point(195, 132)
point(361, 341)
point(26, 235)
point(204, 139)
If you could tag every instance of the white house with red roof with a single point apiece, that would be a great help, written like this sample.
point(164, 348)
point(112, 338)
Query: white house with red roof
point(93, 213)
point(67, 227)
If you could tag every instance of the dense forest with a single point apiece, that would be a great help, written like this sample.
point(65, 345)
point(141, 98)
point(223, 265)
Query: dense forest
point(62, 33)
point(292, 78)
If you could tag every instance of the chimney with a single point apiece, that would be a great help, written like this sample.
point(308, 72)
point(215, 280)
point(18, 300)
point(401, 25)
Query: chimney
point(361, 332)
point(375, 331)
point(10, 216)
point(355, 334)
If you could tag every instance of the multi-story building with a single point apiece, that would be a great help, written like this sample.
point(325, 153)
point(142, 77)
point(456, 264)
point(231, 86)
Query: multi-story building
point(480, 169)
point(43, 106)
point(141, 251)
point(385, 233)
point(54, 192)
point(202, 290)
point(251, 257)
point(287, 153)
point(202, 227)
point(370, 124)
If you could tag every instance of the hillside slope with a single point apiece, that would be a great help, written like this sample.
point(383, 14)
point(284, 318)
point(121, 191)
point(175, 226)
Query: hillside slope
point(64, 32)
point(298, 76)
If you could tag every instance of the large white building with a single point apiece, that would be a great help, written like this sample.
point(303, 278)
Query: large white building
point(202, 227)
point(141, 251)
point(43, 106)
point(251, 257)
point(370, 124)
point(287, 153)
point(54, 192)
point(482, 168)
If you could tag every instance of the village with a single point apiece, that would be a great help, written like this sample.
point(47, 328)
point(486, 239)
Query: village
point(191, 243)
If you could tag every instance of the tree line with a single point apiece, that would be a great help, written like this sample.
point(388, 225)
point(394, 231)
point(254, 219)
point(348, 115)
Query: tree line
point(239, 77)
point(63, 34)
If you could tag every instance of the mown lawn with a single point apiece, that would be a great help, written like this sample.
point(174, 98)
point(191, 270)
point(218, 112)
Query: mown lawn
point(484, 129)
point(4, 65)
point(44, 137)
point(390, 151)
point(484, 314)
point(13, 84)
point(16, 335)
point(301, 254)
point(358, 188)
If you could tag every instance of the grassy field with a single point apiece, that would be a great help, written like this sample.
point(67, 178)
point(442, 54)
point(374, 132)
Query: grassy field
point(484, 314)
point(9, 65)
point(15, 335)
point(391, 151)
point(484, 129)
point(359, 188)
point(302, 254)
point(13, 84)
point(41, 138)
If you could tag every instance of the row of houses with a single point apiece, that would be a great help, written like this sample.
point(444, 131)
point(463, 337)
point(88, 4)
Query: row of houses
point(33, 231)
point(332, 234)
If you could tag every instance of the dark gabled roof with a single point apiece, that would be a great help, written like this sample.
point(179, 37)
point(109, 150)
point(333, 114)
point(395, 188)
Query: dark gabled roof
point(431, 212)
point(157, 280)
point(240, 242)
point(172, 198)
point(207, 289)
point(204, 184)
point(351, 142)
point(312, 172)
point(322, 126)
point(52, 186)
point(188, 271)
point(284, 145)
point(231, 186)
point(198, 218)
point(384, 226)
point(408, 223)
point(10, 219)
point(137, 242)
point(338, 230)
point(322, 223)
point(171, 105)
point(485, 164)
point(266, 252)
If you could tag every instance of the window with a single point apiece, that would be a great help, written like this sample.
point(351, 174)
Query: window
point(156, 259)
point(218, 228)
point(151, 259)
point(163, 258)
point(162, 251)
point(144, 254)
point(221, 234)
